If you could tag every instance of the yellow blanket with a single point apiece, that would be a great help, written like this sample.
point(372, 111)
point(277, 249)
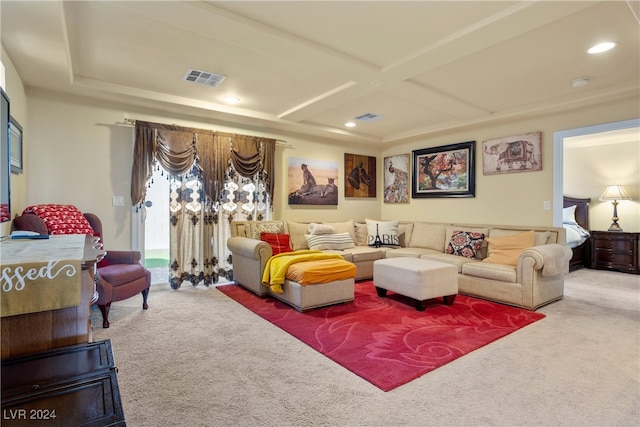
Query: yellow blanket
point(276, 268)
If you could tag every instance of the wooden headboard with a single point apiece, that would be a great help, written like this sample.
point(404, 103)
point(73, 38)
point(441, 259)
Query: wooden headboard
point(582, 209)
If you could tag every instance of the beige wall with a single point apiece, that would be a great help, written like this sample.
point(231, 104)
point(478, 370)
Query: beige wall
point(76, 153)
point(15, 90)
point(589, 169)
point(515, 198)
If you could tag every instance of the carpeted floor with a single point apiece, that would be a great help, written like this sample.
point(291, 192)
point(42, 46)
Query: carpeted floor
point(198, 358)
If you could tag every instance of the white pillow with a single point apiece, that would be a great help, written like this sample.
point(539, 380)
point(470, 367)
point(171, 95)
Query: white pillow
point(338, 241)
point(315, 228)
point(569, 215)
point(387, 231)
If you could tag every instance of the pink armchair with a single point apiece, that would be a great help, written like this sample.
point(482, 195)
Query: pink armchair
point(120, 275)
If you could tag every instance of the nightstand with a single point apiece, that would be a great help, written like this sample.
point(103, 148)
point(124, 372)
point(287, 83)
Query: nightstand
point(615, 250)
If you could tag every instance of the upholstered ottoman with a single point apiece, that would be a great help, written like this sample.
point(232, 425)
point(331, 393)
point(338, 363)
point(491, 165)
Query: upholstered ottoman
point(307, 297)
point(416, 278)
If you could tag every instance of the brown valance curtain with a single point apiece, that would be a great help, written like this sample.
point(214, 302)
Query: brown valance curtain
point(176, 148)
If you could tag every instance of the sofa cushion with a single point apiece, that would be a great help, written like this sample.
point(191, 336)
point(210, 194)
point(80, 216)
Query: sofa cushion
point(361, 233)
point(486, 270)
point(297, 230)
point(317, 229)
point(279, 242)
point(505, 250)
point(456, 260)
point(335, 241)
point(365, 253)
point(542, 237)
point(386, 231)
point(465, 243)
point(408, 252)
point(405, 229)
point(428, 235)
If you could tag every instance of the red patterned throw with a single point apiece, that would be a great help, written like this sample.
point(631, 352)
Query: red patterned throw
point(387, 341)
point(61, 219)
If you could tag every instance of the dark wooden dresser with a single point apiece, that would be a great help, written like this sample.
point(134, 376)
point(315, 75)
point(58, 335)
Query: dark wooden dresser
point(66, 386)
point(615, 250)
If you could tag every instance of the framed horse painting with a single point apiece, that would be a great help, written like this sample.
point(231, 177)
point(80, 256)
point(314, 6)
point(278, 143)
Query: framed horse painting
point(520, 153)
point(360, 172)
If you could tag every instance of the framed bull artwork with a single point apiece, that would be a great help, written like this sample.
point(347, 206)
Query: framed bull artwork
point(312, 182)
point(445, 171)
point(360, 173)
point(520, 153)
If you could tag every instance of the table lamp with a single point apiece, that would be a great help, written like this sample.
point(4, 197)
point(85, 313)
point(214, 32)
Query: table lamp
point(615, 193)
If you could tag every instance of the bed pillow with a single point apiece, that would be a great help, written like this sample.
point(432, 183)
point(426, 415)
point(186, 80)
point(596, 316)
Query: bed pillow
point(569, 215)
point(279, 242)
point(465, 243)
point(506, 250)
point(386, 230)
point(62, 219)
point(337, 241)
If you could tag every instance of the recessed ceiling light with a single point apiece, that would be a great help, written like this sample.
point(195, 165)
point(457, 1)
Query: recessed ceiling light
point(231, 100)
point(350, 124)
point(601, 47)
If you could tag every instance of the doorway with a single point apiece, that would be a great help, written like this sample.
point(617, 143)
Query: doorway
point(558, 157)
point(156, 227)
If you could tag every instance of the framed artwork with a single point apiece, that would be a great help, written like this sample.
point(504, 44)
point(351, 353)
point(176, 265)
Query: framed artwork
point(520, 153)
point(396, 179)
point(360, 173)
point(446, 171)
point(312, 182)
point(15, 145)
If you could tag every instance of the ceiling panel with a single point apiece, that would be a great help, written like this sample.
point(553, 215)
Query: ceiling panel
point(307, 67)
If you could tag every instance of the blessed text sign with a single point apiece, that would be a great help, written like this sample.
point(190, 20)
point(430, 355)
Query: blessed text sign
point(40, 275)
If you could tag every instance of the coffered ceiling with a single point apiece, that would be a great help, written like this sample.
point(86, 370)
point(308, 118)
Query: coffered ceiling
point(308, 67)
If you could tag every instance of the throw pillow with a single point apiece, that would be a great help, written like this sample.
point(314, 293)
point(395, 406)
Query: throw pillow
point(338, 241)
point(465, 243)
point(321, 229)
point(506, 250)
point(259, 227)
point(279, 242)
point(344, 227)
point(382, 233)
point(62, 219)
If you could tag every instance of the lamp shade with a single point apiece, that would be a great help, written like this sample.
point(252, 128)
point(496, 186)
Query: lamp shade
point(615, 192)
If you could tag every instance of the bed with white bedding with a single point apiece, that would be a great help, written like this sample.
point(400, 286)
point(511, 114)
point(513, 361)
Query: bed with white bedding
point(575, 220)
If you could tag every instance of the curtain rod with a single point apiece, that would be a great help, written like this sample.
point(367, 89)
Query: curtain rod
point(132, 122)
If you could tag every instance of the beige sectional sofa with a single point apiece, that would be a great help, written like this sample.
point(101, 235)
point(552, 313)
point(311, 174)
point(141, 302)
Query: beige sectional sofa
point(536, 279)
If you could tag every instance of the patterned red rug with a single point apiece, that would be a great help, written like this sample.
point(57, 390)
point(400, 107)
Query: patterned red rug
point(387, 341)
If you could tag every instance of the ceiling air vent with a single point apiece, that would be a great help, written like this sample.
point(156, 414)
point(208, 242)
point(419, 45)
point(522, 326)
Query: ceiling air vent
point(368, 117)
point(204, 78)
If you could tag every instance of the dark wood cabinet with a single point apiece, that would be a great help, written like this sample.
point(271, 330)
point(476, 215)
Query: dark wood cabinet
point(68, 386)
point(611, 250)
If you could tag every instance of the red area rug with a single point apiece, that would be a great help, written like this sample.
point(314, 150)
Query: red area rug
point(387, 341)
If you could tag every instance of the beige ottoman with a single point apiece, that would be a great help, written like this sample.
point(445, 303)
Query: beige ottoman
point(416, 278)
